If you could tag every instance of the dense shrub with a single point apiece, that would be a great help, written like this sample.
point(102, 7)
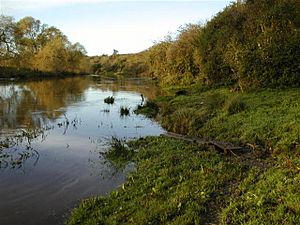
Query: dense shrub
point(120, 64)
point(176, 61)
point(249, 44)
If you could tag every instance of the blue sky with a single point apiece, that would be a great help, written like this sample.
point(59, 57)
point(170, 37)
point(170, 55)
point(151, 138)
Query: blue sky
point(101, 25)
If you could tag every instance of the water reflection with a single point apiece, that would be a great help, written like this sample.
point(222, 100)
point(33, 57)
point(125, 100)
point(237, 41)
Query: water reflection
point(51, 134)
point(29, 109)
point(34, 104)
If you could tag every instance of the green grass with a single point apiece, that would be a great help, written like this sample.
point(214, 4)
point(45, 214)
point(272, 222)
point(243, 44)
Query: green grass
point(180, 183)
point(176, 185)
point(271, 197)
point(268, 118)
point(118, 153)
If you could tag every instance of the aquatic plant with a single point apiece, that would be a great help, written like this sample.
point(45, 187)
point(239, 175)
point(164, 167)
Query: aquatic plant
point(150, 109)
point(16, 150)
point(124, 111)
point(109, 100)
point(118, 154)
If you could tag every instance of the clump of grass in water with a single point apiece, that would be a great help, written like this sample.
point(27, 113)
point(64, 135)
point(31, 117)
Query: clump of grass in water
point(150, 109)
point(124, 111)
point(118, 154)
point(109, 100)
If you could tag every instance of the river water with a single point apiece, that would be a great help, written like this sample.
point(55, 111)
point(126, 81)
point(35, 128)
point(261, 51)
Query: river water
point(52, 134)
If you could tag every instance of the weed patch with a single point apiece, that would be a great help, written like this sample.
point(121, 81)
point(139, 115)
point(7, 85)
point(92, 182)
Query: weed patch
point(118, 154)
point(124, 111)
point(109, 100)
point(150, 109)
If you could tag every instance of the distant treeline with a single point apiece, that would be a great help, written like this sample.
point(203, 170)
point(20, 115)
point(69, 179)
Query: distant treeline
point(28, 45)
point(252, 43)
point(120, 64)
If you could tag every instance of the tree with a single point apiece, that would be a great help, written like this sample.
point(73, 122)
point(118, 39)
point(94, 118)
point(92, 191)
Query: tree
point(7, 41)
point(28, 30)
point(115, 52)
point(75, 57)
point(52, 57)
point(48, 34)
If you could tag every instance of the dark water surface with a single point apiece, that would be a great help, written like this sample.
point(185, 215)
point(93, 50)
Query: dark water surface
point(52, 133)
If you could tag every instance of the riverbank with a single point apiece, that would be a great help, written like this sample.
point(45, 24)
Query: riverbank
point(11, 73)
point(180, 183)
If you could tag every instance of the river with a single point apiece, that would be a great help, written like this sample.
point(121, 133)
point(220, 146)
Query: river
point(52, 134)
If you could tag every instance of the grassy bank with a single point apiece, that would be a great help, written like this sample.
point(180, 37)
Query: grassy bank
point(267, 119)
point(179, 183)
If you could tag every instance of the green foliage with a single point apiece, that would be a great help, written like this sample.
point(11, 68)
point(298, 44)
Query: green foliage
point(176, 61)
point(253, 44)
point(248, 44)
point(120, 64)
point(110, 100)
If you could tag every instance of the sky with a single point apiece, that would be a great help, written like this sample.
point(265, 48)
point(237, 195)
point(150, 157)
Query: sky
point(103, 25)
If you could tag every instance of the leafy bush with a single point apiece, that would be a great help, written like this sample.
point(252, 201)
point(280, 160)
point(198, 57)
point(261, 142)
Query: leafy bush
point(249, 44)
